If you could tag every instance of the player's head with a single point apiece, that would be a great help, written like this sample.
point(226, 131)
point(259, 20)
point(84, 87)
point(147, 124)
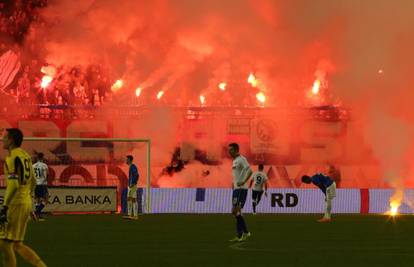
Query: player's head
point(306, 179)
point(40, 156)
point(234, 149)
point(260, 167)
point(129, 159)
point(12, 138)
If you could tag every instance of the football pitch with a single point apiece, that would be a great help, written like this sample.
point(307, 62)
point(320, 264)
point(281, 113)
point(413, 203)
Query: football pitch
point(202, 240)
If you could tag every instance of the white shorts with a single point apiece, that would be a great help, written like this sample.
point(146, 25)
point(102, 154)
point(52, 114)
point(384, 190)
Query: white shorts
point(331, 191)
point(132, 192)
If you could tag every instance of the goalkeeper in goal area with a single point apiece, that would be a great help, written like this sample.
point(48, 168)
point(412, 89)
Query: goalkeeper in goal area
point(133, 176)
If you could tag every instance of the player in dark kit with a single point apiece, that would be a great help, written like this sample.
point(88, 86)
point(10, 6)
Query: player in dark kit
point(133, 177)
point(328, 187)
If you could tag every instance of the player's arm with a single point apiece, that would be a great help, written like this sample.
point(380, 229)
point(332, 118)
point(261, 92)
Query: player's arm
point(316, 180)
point(15, 171)
point(323, 189)
point(134, 176)
point(251, 182)
point(15, 175)
point(12, 186)
point(248, 173)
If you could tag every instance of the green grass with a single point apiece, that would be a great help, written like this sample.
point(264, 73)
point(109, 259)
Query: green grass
point(202, 240)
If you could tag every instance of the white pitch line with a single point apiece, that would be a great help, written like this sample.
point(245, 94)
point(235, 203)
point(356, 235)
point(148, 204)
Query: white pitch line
point(391, 251)
point(238, 246)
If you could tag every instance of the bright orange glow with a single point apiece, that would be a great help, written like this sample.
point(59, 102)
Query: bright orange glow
point(117, 85)
point(48, 70)
point(138, 91)
point(160, 94)
point(202, 99)
point(394, 208)
point(395, 202)
point(50, 73)
point(222, 86)
point(380, 71)
point(261, 97)
point(252, 80)
point(46, 80)
point(316, 86)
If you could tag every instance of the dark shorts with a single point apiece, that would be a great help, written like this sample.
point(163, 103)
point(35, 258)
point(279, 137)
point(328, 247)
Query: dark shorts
point(41, 191)
point(257, 195)
point(239, 197)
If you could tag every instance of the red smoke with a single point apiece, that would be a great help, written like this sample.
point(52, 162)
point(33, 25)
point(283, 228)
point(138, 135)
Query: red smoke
point(186, 49)
point(190, 48)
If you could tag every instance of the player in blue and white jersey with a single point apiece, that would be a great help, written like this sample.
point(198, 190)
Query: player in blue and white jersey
point(259, 182)
point(241, 174)
point(328, 187)
point(41, 193)
point(133, 176)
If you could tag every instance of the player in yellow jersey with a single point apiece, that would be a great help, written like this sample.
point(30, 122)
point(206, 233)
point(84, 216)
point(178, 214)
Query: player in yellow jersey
point(17, 205)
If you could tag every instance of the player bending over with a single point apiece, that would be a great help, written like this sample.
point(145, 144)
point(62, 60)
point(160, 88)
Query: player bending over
point(17, 206)
point(328, 187)
point(259, 181)
point(241, 174)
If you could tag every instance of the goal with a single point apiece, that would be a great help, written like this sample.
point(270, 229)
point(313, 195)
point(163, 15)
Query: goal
point(85, 165)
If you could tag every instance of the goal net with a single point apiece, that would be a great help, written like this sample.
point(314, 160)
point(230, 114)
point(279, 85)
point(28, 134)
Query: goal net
point(91, 174)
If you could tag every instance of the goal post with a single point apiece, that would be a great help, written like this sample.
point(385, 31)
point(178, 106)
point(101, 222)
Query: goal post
point(31, 145)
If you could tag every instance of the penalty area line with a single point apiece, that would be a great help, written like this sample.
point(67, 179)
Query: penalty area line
point(239, 246)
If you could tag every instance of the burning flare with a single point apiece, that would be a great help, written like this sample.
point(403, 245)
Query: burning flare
point(252, 80)
point(261, 97)
point(160, 94)
point(117, 85)
point(138, 91)
point(46, 80)
point(316, 86)
point(394, 205)
point(202, 99)
point(395, 202)
point(222, 86)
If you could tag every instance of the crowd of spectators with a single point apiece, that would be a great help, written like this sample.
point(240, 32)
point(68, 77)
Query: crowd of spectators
point(72, 86)
point(76, 88)
point(70, 90)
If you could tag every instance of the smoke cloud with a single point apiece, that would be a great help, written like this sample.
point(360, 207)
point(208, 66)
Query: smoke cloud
point(360, 50)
